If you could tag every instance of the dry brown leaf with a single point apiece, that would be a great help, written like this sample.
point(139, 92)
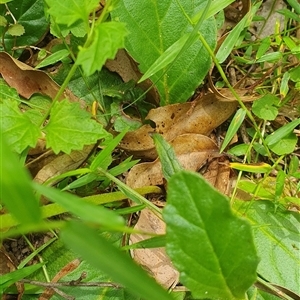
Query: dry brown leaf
point(127, 68)
point(71, 266)
point(63, 163)
point(218, 174)
point(155, 260)
point(27, 80)
point(192, 151)
point(200, 116)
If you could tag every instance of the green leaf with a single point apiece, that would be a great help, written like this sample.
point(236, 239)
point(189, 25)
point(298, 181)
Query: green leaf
point(3, 21)
point(212, 249)
point(235, 124)
point(16, 191)
point(29, 14)
point(86, 211)
point(17, 128)
point(286, 145)
point(70, 11)
point(101, 254)
point(16, 30)
point(107, 39)
point(160, 24)
point(265, 107)
point(70, 128)
point(101, 160)
point(282, 132)
point(233, 37)
point(277, 239)
point(167, 156)
point(53, 58)
point(270, 57)
point(8, 279)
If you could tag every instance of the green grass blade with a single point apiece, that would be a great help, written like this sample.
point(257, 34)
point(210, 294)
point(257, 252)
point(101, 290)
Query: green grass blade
point(101, 254)
point(233, 127)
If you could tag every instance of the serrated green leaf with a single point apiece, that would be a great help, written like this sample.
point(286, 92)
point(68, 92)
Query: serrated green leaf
point(16, 30)
point(159, 25)
point(107, 39)
point(30, 14)
point(89, 244)
point(265, 107)
point(70, 128)
point(212, 249)
point(17, 128)
point(277, 239)
point(70, 11)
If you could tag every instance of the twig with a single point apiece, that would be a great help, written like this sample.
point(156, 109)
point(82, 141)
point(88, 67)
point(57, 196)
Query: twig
point(71, 283)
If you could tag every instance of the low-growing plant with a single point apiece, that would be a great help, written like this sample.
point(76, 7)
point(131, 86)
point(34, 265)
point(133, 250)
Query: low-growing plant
point(222, 249)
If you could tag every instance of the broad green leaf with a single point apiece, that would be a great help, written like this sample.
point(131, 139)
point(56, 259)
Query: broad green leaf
point(108, 38)
point(70, 11)
point(282, 132)
point(86, 211)
point(101, 254)
point(70, 128)
point(179, 47)
point(16, 191)
point(29, 14)
point(160, 24)
point(286, 145)
point(8, 279)
point(212, 249)
point(235, 124)
point(167, 156)
point(17, 128)
point(277, 239)
point(265, 107)
point(53, 58)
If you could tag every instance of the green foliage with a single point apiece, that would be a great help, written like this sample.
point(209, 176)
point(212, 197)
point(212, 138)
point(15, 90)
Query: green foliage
point(88, 243)
point(70, 128)
point(212, 248)
point(108, 38)
point(276, 236)
point(23, 19)
point(160, 25)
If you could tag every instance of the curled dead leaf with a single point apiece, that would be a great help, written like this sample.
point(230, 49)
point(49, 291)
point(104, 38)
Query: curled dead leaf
point(28, 81)
point(200, 117)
